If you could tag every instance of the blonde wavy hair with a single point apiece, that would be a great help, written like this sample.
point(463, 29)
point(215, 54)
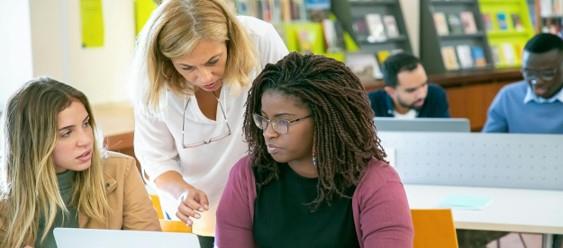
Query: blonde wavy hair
point(173, 30)
point(30, 189)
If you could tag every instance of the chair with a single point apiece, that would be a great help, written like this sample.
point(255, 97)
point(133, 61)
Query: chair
point(174, 226)
point(156, 205)
point(168, 225)
point(433, 228)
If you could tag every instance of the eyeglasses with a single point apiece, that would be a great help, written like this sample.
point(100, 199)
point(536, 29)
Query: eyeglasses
point(546, 75)
point(210, 140)
point(281, 126)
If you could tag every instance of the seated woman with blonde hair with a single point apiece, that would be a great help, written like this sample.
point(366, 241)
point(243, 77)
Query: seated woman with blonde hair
point(55, 174)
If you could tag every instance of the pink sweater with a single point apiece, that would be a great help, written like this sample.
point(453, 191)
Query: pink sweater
point(380, 208)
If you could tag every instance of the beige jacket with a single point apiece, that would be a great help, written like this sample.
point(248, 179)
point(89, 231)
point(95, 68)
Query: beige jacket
point(130, 206)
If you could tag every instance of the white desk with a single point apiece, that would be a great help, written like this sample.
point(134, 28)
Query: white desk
point(513, 210)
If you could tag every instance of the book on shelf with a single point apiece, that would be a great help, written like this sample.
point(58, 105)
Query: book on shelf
point(517, 22)
point(333, 35)
point(504, 54)
point(478, 55)
point(297, 9)
point(317, 4)
point(449, 58)
point(364, 65)
point(376, 28)
point(310, 37)
point(360, 28)
point(551, 8)
point(396, 50)
point(508, 54)
point(468, 22)
point(242, 7)
point(464, 55)
point(454, 23)
point(502, 21)
point(270, 10)
point(249, 8)
point(276, 13)
point(487, 22)
point(518, 50)
point(440, 23)
point(391, 26)
point(266, 6)
point(286, 10)
point(546, 7)
point(495, 51)
point(382, 55)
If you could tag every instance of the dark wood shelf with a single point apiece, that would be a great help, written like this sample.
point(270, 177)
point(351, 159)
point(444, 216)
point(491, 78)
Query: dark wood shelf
point(462, 78)
point(371, 2)
point(462, 36)
point(456, 2)
point(400, 38)
point(459, 78)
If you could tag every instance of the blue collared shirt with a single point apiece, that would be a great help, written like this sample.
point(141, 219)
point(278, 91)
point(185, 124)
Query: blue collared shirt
point(531, 96)
point(509, 112)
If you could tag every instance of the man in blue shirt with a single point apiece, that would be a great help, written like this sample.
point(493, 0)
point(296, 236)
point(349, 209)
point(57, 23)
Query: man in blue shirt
point(407, 93)
point(534, 105)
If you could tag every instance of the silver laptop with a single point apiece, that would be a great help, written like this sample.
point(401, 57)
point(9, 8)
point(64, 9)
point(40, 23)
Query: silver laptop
point(422, 124)
point(98, 238)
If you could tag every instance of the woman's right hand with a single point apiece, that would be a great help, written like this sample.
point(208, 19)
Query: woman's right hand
point(192, 202)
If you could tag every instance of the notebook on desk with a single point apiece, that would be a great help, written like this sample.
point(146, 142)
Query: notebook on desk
point(98, 238)
point(391, 124)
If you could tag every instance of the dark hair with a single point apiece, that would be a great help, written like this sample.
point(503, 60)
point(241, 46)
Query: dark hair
point(344, 139)
point(395, 64)
point(544, 42)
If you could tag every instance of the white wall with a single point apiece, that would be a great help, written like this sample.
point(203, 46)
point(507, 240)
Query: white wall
point(43, 38)
point(15, 47)
point(99, 72)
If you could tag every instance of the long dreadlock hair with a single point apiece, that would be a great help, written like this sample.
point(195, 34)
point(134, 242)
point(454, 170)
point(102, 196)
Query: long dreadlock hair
point(344, 139)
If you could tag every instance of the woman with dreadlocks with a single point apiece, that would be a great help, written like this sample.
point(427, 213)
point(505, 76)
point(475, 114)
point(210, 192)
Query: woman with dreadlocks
point(316, 174)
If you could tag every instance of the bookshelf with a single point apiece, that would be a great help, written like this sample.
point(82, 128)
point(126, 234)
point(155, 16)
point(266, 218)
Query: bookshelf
point(453, 37)
point(379, 29)
point(509, 26)
point(305, 25)
point(361, 33)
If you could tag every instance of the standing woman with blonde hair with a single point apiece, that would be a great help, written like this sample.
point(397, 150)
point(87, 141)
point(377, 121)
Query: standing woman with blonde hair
point(194, 64)
point(54, 174)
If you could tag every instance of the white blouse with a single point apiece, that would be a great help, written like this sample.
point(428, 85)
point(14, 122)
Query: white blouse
point(158, 139)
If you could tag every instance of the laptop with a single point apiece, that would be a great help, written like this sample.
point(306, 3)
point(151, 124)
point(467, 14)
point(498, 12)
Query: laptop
point(98, 238)
point(422, 124)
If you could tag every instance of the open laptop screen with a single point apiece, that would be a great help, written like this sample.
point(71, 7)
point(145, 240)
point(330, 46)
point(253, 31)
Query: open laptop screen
point(422, 124)
point(98, 238)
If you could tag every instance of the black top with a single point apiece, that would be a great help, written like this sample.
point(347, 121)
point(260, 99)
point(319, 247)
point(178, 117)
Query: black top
point(281, 218)
point(435, 105)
